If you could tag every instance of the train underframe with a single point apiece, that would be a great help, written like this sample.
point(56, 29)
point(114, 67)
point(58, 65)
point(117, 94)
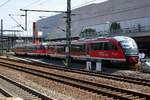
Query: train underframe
point(105, 63)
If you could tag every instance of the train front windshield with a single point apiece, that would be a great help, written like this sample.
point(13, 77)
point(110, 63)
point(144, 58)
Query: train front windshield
point(129, 45)
point(130, 48)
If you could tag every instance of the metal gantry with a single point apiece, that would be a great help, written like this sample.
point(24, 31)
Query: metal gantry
point(68, 27)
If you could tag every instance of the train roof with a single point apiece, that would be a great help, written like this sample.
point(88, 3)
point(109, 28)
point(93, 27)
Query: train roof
point(84, 40)
point(122, 38)
point(81, 41)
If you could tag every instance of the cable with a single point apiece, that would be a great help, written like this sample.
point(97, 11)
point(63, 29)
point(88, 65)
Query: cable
point(42, 2)
point(5, 3)
point(33, 3)
point(17, 22)
point(87, 2)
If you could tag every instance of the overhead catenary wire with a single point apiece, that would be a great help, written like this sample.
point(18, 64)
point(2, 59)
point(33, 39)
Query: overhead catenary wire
point(16, 22)
point(43, 2)
point(37, 2)
point(5, 3)
point(86, 3)
point(32, 3)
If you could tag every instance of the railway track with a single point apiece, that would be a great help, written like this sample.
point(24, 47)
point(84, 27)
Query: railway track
point(4, 93)
point(137, 81)
point(106, 90)
point(11, 88)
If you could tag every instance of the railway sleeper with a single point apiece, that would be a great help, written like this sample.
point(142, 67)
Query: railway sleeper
point(141, 99)
point(128, 96)
point(113, 93)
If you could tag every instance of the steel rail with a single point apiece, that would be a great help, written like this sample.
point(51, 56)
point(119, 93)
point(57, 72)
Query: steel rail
point(26, 88)
point(138, 81)
point(5, 93)
point(90, 86)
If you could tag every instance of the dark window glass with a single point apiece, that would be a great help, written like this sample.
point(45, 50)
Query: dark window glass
point(60, 49)
point(130, 47)
point(50, 47)
point(109, 46)
point(77, 48)
point(97, 46)
point(35, 48)
point(42, 47)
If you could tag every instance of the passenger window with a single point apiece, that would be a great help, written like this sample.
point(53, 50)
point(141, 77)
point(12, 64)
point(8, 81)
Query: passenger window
point(42, 47)
point(78, 48)
point(109, 46)
point(60, 49)
point(97, 46)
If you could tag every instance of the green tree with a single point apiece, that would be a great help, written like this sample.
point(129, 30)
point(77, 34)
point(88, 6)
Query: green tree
point(115, 27)
point(88, 32)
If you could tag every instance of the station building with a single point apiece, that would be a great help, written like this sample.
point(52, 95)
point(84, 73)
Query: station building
point(132, 15)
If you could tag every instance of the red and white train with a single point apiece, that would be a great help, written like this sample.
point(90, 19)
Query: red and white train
point(120, 49)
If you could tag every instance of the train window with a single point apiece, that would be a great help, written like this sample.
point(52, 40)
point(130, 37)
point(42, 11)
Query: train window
point(45, 47)
point(35, 47)
point(50, 47)
point(129, 47)
point(60, 49)
point(97, 46)
point(109, 46)
point(29, 47)
point(78, 48)
point(42, 47)
point(128, 44)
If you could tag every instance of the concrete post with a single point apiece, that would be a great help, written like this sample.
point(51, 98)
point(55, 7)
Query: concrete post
point(88, 65)
point(99, 66)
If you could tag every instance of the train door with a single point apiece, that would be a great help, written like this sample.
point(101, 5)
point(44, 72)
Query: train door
point(87, 49)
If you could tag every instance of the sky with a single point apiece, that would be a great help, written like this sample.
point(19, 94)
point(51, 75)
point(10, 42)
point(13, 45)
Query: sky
point(12, 7)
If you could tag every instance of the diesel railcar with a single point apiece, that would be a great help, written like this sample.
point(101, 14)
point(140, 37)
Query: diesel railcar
point(117, 49)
